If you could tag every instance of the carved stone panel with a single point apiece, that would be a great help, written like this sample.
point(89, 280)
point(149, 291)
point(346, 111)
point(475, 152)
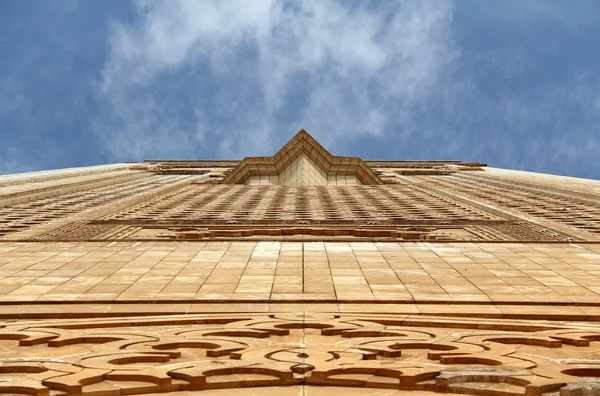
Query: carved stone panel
point(197, 352)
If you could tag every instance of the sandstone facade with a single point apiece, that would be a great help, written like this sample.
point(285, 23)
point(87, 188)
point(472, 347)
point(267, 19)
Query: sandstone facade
point(301, 273)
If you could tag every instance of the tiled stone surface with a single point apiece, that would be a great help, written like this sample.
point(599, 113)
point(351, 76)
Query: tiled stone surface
point(274, 271)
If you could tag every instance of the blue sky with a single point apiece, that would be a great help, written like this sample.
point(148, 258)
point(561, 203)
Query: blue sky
point(515, 84)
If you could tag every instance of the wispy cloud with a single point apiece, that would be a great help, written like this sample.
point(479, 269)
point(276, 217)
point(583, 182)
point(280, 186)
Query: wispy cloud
point(329, 66)
point(513, 84)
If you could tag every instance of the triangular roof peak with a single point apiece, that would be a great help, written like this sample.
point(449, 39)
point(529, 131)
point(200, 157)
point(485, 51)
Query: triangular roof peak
point(305, 140)
point(302, 144)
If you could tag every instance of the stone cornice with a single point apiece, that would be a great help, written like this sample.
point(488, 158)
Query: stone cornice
point(302, 143)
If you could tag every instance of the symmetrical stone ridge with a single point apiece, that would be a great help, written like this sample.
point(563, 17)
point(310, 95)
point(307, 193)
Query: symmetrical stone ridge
point(299, 273)
point(302, 162)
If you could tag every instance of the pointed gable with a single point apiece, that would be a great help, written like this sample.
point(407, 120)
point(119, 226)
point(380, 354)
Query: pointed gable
point(302, 162)
point(303, 143)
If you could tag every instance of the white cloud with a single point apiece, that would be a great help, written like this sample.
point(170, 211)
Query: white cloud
point(356, 69)
point(512, 84)
point(210, 79)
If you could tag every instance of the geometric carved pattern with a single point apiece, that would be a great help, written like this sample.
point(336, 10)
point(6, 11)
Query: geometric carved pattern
point(196, 352)
point(110, 230)
point(22, 216)
point(399, 202)
point(322, 212)
point(519, 231)
point(84, 231)
point(579, 213)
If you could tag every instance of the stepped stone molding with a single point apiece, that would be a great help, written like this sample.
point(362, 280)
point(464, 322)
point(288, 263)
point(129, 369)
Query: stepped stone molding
point(302, 145)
